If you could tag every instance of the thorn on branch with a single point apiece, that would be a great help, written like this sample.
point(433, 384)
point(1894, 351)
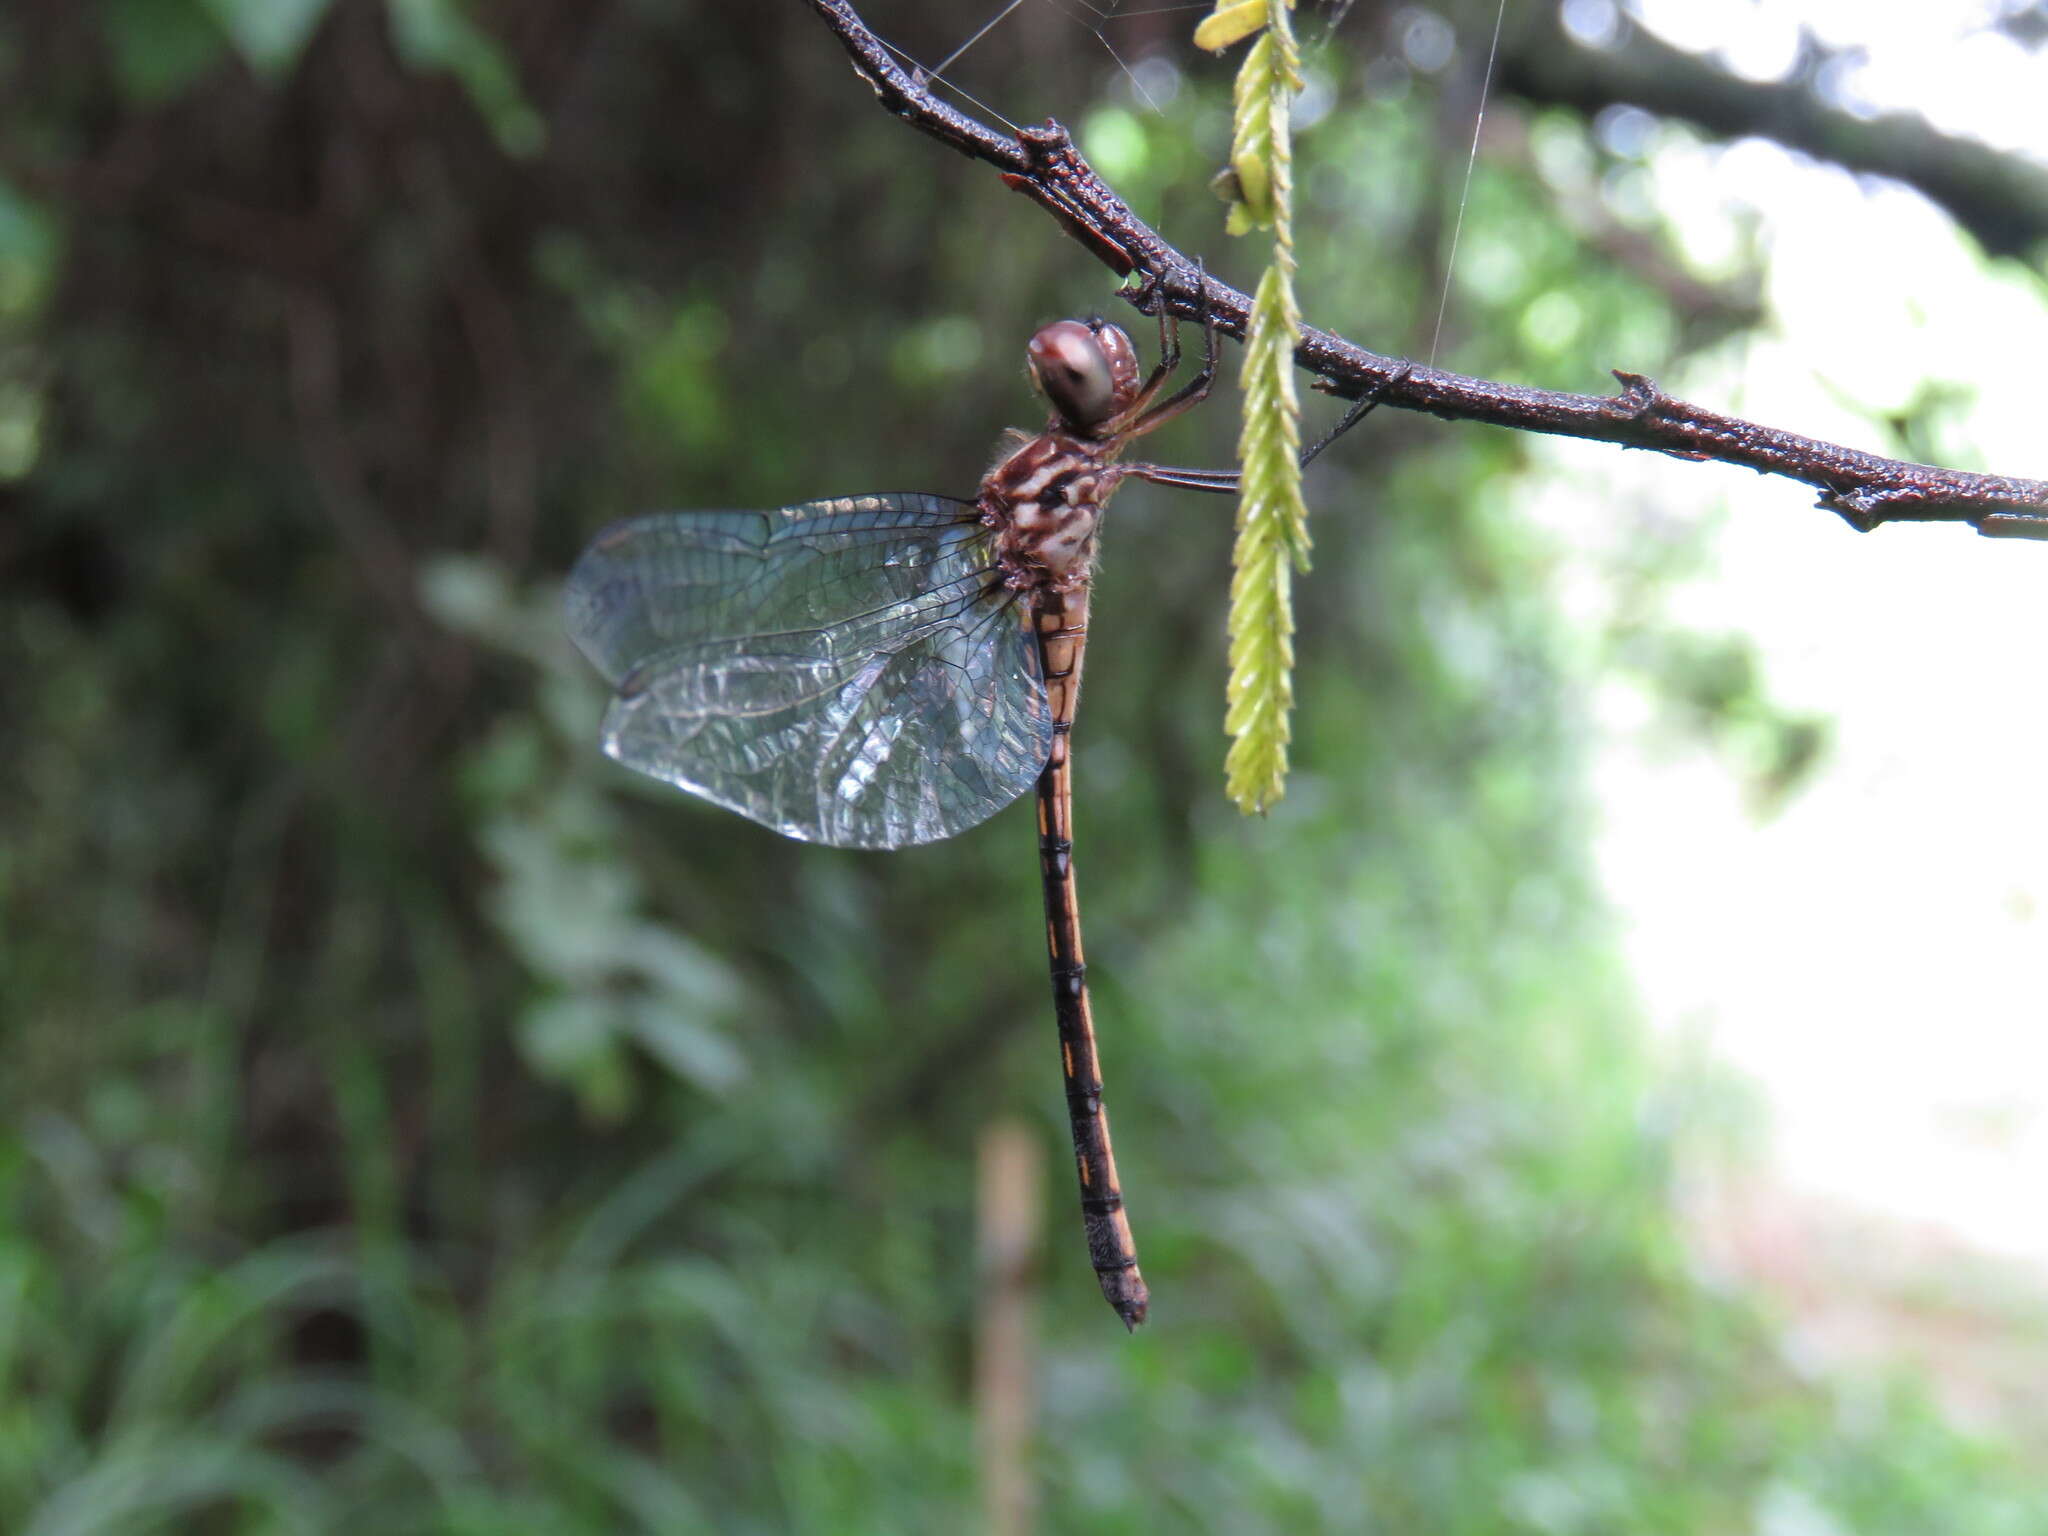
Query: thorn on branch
point(1640, 398)
point(1860, 508)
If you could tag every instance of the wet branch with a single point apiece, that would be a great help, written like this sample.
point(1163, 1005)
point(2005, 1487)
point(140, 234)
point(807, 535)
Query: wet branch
point(1042, 163)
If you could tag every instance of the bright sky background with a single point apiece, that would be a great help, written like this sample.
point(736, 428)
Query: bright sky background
point(1873, 955)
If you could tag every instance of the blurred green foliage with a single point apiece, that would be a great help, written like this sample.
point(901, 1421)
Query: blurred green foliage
point(410, 1124)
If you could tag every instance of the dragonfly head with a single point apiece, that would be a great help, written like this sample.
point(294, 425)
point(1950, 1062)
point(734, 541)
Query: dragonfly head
point(1087, 370)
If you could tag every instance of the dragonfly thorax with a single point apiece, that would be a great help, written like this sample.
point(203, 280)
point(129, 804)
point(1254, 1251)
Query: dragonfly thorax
point(1045, 502)
point(1045, 497)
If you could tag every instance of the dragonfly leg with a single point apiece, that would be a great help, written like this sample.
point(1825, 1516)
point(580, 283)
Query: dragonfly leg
point(1360, 409)
point(1169, 360)
point(1218, 482)
point(1145, 417)
point(1224, 482)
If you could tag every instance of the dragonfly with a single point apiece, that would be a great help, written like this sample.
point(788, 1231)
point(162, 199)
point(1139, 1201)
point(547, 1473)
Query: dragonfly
point(884, 670)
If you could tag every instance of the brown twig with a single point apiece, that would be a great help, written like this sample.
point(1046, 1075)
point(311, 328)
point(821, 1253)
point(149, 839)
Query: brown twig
point(1042, 163)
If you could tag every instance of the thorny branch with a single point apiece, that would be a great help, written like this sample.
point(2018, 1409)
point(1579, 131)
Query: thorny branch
point(1042, 163)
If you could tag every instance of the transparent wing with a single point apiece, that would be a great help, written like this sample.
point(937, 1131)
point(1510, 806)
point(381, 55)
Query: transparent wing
point(849, 672)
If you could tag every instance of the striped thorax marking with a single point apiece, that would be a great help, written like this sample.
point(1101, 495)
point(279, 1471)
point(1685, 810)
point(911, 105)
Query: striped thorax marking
point(1045, 502)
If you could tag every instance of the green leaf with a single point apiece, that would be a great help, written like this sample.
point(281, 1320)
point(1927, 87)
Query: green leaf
point(1251, 145)
point(29, 251)
point(437, 34)
point(161, 46)
point(1247, 182)
point(1272, 543)
point(1233, 22)
point(1272, 517)
point(268, 34)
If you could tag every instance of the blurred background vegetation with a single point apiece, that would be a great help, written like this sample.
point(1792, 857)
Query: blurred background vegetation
point(413, 1124)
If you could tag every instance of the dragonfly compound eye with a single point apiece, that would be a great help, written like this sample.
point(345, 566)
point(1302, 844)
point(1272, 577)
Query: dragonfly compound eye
point(1075, 373)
